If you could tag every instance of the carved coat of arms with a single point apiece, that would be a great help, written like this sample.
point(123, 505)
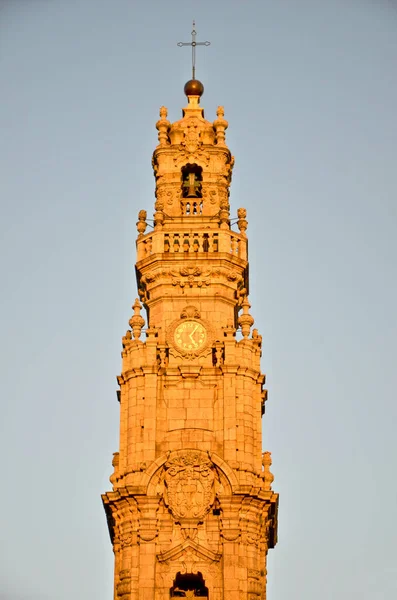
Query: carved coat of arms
point(192, 136)
point(189, 485)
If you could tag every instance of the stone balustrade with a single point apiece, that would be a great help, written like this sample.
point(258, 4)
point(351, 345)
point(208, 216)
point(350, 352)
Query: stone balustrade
point(191, 242)
point(192, 206)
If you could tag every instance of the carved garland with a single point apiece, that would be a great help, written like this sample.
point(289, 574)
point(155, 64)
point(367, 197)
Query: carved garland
point(192, 276)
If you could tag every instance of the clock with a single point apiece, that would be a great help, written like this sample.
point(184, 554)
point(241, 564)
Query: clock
point(190, 336)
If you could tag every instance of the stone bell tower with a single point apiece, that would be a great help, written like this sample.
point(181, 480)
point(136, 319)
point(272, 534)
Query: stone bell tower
point(191, 511)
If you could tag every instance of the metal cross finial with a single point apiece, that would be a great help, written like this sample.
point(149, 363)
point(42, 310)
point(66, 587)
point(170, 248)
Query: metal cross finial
point(193, 44)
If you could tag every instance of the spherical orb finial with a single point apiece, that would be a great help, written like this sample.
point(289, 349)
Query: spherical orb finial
point(194, 87)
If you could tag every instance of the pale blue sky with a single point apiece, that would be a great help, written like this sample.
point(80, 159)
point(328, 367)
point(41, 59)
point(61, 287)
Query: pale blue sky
point(310, 92)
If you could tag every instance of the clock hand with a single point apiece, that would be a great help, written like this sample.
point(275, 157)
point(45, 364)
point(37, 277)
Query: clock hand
point(194, 331)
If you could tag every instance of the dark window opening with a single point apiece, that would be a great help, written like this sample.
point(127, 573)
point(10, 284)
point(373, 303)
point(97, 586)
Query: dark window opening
point(192, 177)
point(189, 585)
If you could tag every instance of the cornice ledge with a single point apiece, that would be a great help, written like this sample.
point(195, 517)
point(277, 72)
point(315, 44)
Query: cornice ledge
point(110, 497)
point(131, 373)
point(150, 369)
point(190, 371)
point(229, 369)
point(249, 372)
point(256, 492)
point(135, 490)
point(124, 492)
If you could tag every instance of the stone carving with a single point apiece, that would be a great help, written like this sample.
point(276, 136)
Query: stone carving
point(164, 196)
point(245, 320)
point(192, 275)
point(218, 354)
point(147, 535)
point(190, 312)
point(231, 535)
point(192, 135)
point(241, 293)
point(242, 223)
point(137, 322)
point(231, 275)
point(183, 155)
point(256, 337)
point(189, 485)
point(268, 477)
point(142, 294)
point(187, 271)
point(179, 156)
point(124, 586)
point(127, 531)
point(203, 157)
point(162, 357)
point(158, 218)
point(254, 573)
point(210, 194)
point(126, 340)
point(141, 223)
point(155, 165)
point(223, 199)
point(220, 125)
point(126, 540)
point(115, 465)
point(251, 537)
point(254, 582)
point(263, 401)
point(162, 126)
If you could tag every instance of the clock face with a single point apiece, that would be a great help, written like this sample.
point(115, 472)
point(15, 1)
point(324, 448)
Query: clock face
point(190, 336)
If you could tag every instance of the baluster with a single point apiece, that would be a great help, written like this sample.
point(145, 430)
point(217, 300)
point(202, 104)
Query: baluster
point(196, 242)
point(233, 245)
point(141, 246)
point(186, 242)
point(191, 241)
point(200, 242)
point(215, 242)
point(176, 242)
point(149, 246)
point(243, 249)
point(166, 243)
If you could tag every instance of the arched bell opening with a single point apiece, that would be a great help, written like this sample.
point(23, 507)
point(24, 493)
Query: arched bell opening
point(192, 178)
point(189, 585)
